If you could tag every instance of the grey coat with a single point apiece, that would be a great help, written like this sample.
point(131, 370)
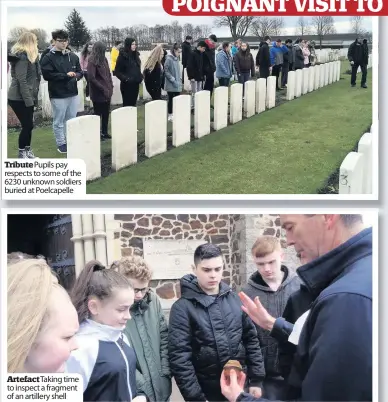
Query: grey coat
point(172, 72)
point(25, 79)
point(275, 303)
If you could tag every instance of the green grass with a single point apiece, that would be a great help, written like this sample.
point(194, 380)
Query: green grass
point(291, 149)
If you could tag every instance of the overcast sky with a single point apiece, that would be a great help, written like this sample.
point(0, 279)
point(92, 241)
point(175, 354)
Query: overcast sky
point(50, 18)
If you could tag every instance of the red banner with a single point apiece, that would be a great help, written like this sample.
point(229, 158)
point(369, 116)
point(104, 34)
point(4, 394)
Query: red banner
point(275, 7)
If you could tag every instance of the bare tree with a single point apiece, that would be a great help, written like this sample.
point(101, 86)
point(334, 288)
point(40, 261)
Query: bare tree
point(303, 28)
point(204, 30)
point(356, 26)
point(238, 26)
point(323, 26)
point(41, 36)
point(267, 26)
point(15, 33)
point(188, 30)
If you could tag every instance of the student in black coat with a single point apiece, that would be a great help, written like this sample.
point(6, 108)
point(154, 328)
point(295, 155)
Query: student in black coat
point(195, 69)
point(186, 50)
point(358, 57)
point(153, 73)
point(262, 58)
point(128, 72)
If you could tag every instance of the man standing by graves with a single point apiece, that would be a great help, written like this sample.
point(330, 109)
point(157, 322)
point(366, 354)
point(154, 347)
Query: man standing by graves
point(277, 57)
point(262, 58)
point(61, 68)
point(186, 50)
point(207, 329)
point(195, 72)
point(287, 62)
point(333, 360)
point(209, 63)
point(358, 57)
point(273, 283)
point(297, 56)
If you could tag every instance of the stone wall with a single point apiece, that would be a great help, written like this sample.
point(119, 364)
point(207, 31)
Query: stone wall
point(234, 234)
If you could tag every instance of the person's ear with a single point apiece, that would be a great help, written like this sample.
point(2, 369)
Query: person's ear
point(93, 306)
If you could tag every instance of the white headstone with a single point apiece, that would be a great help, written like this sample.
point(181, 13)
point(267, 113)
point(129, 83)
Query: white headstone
point(298, 83)
point(317, 76)
point(351, 178)
point(365, 148)
point(322, 77)
point(291, 85)
point(146, 95)
point(327, 73)
point(261, 94)
point(124, 137)
point(181, 124)
point(201, 114)
point(221, 97)
point(47, 112)
point(330, 72)
point(305, 80)
point(81, 96)
point(339, 70)
point(83, 142)
point(155, 127)
point(236, 103)
point(249, 98)
point(117, 98)
point(311, 79)
point(271, 92)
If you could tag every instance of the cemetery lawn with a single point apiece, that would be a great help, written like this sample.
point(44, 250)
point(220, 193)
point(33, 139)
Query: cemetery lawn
point(291, 149)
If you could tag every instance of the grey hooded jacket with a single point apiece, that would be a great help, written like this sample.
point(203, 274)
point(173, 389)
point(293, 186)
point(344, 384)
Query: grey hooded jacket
point(275, 303)
point(173, 80)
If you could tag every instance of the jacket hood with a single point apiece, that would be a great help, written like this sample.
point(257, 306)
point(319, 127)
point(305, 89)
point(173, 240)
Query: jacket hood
point(126, 54)
point(191, 290)
point(247, 51)
point(256, 280)
point(139, 307)
point(98, 331)
point(66, 51)
point(319, 273)
point(171, 56)
point(263, 44)
point(210, 44)
point(14, 57)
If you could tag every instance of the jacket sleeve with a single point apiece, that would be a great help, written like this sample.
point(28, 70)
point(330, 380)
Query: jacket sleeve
point(253, 72)
point(255, 364)
point(237, 64)
point(21, 68)
point(78, 69)
point(167, 70)
point(258, 58)
point(163, 329)
point(119, 69)
point(272, 56)
point(49, 73)
point(181, 354)
point(220, 66)
point(340, 349)
point(350, 52)
point(93, 80)
point(190, 68)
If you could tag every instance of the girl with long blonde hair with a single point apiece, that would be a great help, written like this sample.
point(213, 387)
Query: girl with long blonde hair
point(41, 319)
point(153, 73)
point(24, 88)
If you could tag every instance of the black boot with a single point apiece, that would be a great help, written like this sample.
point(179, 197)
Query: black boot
point(364, 86)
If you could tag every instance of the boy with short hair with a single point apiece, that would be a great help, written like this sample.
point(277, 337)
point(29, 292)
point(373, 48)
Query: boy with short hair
point(207, 329)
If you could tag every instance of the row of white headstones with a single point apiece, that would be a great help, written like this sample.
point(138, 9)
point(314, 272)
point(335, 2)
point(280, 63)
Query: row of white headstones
point(83, 133)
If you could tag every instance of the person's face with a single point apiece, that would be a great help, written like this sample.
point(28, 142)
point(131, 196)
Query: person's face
point(140, 288)
point(243, 47)
point(133, 46)
point(269, 266)
point(114, 310)
point(177, 52)
point(227, 49)
point(268, 41)
point(278, 44)
point(90, 47)
point(201, 49)
point(311, 236)
point(209, 274)
point(55, 341)
point(61, 44)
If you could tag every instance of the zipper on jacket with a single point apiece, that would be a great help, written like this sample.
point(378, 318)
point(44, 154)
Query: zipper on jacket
point(126, 363)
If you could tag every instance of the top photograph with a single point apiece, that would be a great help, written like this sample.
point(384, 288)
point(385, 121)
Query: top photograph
point(159, 105)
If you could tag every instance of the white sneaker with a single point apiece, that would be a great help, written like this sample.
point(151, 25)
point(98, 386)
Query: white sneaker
point(88, 98)
point(170, 117)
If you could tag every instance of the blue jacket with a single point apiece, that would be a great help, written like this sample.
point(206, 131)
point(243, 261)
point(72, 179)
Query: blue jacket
point(235, 49)
point(333, 361)
point(276, 54)
point(223, 65)
point(172, 71)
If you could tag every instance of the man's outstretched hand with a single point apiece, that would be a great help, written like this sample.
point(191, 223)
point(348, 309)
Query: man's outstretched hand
point(256, 311)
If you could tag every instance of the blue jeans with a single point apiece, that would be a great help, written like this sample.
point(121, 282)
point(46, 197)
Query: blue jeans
point(243, 78)
point(64, 109)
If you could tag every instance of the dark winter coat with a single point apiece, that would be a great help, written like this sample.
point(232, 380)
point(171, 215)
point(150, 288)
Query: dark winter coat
point(100, 81)
point(45, 51)
point(204, 333)
point(290, 54)
point(334, 353)
point(262, 57)
point(186, 50)
point(195, 66)
point(274, 303)
point(55, 65)
point(297, 54)
point(358, 53)
point(153, 79)
point(127, 68)
point(147, 332)
point(25, 79)
point(244, 62)
point(209, 59)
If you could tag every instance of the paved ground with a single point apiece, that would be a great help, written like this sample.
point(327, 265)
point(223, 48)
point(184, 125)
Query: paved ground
point(176, 395)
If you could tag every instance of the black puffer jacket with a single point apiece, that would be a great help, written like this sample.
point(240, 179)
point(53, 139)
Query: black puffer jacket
point(204, 333)
point(127, 68)
point(358, 53)
point(195, 66)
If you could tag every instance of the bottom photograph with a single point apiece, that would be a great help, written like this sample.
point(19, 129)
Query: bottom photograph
point(195, 307)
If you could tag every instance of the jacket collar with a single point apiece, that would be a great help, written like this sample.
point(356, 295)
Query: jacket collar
point(320, 273)
point(142, 305)
point(257, 281)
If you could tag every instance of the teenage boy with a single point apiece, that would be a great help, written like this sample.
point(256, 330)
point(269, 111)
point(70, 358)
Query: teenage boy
point(207, 329)
point(61, 68)
point(273, 283)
